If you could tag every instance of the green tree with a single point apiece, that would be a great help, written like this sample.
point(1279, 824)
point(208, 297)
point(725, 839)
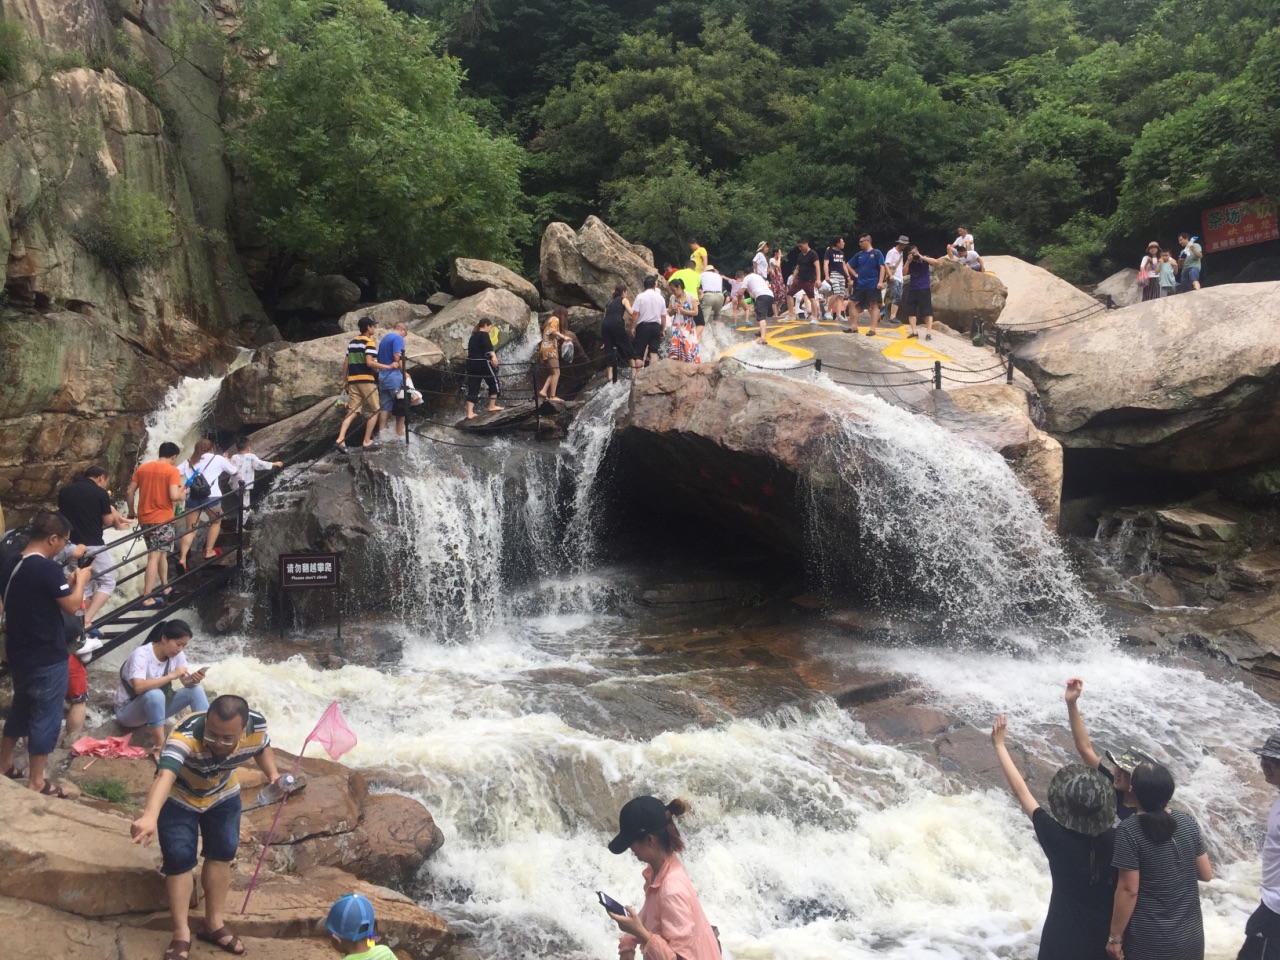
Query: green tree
point(360, 158)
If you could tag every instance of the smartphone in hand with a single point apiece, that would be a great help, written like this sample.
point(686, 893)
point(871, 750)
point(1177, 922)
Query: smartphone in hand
point(610, 904)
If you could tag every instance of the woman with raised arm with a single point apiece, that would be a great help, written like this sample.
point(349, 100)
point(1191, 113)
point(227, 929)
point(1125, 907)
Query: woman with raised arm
point(1124, 762)
point(671, 923)
point(1077, 836)
point(1160, 855)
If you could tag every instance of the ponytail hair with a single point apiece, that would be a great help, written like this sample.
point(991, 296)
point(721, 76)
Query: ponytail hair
point(670, 839)
point(1153, 786)
point(169, 630)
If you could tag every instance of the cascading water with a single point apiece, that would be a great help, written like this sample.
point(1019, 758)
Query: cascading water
point(808, 838)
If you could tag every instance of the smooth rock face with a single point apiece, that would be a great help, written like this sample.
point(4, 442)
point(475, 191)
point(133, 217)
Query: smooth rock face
point(1122, 287)
point(387, 315)
point(1034, 295)
point(581, 269)
point(469, 277)
point(452, 326)
point(286, 379)
point(69, 857)
point(962, 296)
point(1189, 383)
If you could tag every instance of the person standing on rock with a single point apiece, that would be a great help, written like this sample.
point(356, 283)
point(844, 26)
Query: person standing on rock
point(867, 266)
point(35, 592)
point(836, 273)
point(391, 378)
point(87, 506)
point(804, 280)
point(697, 256)
point(616, 342)
point(1192, 260)
point(1124, 763)
point(711, 296)
point(684, 317)
point(1078, 839)
point(360, 380)
point(196, 795)
point(919, 296)
point(1168, 277)
point(549, 352)
point(893, 267)
point(157, 486)
point(671, 923)
point(762, 299)
point(650, 315)
point(1149, 273)
point(1263, 925)
point(760, 262)
point(482, 364)
point(777, 282)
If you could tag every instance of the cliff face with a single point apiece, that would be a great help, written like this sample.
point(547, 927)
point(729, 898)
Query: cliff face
point(115, 207)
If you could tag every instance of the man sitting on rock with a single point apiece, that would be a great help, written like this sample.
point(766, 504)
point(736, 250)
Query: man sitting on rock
point(195, 794)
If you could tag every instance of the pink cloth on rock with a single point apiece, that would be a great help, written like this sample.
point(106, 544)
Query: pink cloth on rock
point(113, 748)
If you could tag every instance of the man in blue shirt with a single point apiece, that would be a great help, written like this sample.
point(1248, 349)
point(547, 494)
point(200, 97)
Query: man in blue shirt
point(391, 377)
point(35, 593)
point(868, 268)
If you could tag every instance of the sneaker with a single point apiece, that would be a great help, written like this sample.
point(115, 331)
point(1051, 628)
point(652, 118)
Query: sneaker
point(814, 321)
point(928, 336)
point(913, 336)
point(89, 646)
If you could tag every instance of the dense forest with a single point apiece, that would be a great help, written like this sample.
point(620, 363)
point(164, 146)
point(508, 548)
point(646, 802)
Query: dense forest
point(392, 136)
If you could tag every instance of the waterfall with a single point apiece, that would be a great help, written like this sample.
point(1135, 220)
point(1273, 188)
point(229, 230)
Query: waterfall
point(584, 453)
point(940, 527)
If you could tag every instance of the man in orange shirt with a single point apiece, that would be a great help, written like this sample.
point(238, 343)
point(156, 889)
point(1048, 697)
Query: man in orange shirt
point(160, 487)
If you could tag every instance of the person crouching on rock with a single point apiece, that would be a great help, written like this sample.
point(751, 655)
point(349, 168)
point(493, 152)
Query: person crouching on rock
point(145, 694)
point(196, 795)
point(351, 924)
point(482, 364)
point(671, 923)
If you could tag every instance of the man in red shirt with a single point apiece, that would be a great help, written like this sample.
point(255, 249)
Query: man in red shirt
point(157, 486)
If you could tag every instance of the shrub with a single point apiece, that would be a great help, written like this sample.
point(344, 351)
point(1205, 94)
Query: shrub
point(131, 229)
point(13, 49)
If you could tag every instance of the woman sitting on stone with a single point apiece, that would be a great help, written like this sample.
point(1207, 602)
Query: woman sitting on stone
point(671, 923)
point(549, 352)
point(1077, 838)
point(1160, 855)
point(145, 696)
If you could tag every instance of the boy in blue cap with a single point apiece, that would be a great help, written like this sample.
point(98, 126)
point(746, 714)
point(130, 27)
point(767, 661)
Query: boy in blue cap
point(350, 923)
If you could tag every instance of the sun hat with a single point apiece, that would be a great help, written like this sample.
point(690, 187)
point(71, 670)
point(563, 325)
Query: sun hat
point(1082, 799)
point(1270, 749)
point(1127, 759)
point(638, 818)
point(763, 244)
point(902, 238)
point(351, 918)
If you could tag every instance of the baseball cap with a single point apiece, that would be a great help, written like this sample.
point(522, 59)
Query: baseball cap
point(638, 818)
point(351, 918)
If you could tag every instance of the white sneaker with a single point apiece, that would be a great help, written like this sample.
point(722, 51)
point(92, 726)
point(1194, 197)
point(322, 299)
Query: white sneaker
point(814, 321)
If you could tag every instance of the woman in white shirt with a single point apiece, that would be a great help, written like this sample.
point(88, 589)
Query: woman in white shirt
point(206, 463)
point(144, 696)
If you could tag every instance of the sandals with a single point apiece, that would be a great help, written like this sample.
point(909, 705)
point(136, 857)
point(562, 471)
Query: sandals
point(51, 789)
point(215, 937)
point(178, 950)
point(155, 603)
point(13, 773)
point(217, 552)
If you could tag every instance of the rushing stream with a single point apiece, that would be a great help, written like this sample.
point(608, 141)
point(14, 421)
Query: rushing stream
point(535, 696)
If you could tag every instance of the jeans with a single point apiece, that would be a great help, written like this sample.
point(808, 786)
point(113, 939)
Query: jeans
point(150, 710)
point(36, 712)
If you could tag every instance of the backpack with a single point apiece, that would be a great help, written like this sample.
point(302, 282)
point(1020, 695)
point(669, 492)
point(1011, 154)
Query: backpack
point(198, 485)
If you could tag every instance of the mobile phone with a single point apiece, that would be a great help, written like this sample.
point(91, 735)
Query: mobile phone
point(610, 904)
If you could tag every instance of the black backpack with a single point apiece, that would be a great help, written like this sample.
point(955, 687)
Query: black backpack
point(198, 485)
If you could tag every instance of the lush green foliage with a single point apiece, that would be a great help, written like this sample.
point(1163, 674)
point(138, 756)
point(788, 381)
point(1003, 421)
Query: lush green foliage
point(131, 229)
point(361, 157)
point(14, 49)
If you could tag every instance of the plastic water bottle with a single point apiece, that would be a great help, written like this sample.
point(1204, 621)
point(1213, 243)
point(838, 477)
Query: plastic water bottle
point(272, 792)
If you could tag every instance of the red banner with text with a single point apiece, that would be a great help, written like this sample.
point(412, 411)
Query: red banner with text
point(1239, 224)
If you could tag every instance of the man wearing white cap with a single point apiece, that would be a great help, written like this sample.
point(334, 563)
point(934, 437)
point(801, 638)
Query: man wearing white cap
point(1264, 925)
point(893, 265)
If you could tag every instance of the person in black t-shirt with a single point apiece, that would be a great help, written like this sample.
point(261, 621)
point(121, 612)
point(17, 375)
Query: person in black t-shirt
point(34, 594)
point(804, 278)
point(87, 506)
point(1078, 839)
point(1126, 805)
point(482, 364)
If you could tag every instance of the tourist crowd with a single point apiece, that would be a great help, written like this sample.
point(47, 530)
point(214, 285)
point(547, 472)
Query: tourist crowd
point(1160, 275)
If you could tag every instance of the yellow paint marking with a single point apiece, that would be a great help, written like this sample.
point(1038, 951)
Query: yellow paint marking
point(781, 335)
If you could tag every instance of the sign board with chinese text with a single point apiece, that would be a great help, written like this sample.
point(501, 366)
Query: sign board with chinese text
point(302, 571)
point(1239, 224)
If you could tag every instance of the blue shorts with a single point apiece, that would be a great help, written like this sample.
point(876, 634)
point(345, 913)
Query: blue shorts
point(36, 712)
point(1190, 275)
point(177, 828)
point(387, 399)
point(208, 503)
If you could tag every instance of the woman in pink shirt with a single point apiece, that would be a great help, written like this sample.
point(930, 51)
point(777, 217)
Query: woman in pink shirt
point(671, 923)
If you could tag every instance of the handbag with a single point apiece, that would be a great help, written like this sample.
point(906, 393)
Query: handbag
point(1144, 274)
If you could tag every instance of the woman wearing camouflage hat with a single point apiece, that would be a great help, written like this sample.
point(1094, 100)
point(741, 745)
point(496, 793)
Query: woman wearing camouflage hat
point(1077, 837)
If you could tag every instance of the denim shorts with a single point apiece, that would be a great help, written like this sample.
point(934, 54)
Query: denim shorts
point(177, 828)
point(36, 712)
point(1190, 275)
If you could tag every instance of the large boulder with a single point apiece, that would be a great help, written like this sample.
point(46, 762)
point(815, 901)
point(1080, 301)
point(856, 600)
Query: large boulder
point(325, 296)
point(962, 296)
point(469, 277)
point(452, 326)
point(1122, 287)
point(1189, 384)
point(1035, 297)
point(287, 378)
point(387, 315)
point(72, 858)
point(581, 269)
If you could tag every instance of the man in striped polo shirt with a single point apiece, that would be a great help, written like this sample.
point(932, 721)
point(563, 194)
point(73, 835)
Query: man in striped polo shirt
point(195, 793)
